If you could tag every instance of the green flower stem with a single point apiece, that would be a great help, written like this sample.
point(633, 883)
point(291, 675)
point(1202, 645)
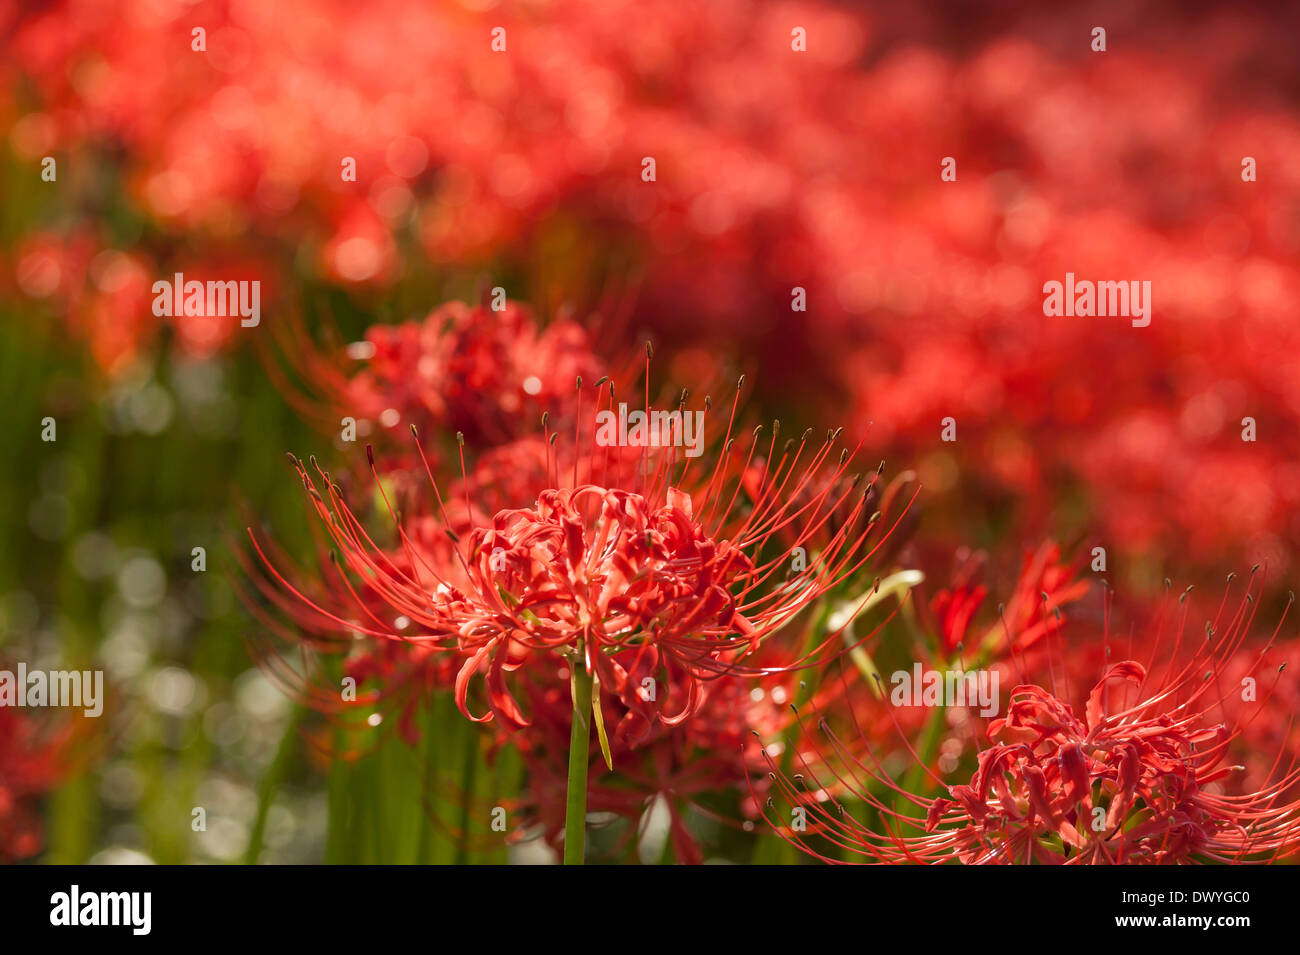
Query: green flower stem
point(271, 780)
point(575, 807)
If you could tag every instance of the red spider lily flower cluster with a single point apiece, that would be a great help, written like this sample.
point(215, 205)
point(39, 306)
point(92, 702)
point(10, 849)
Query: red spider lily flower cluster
point(627, 564)
point(1139, 777)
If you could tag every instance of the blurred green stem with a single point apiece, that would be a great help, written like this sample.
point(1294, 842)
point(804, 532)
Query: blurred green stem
point(468, 782)
point(575, 809)
point(270, 782)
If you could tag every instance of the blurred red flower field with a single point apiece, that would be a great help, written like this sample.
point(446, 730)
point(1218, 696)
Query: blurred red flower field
point(662, 387)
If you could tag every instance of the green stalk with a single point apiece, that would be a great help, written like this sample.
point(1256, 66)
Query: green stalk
point(575, 806)
point(271, 780)
point(467, 784)
point(428, 793)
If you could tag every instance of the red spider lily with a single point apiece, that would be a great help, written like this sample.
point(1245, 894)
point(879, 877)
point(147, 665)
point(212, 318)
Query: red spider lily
point(636, 562)
point(1138, 778)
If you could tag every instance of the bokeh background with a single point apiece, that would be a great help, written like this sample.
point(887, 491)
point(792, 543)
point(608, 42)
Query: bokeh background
point(775, 169)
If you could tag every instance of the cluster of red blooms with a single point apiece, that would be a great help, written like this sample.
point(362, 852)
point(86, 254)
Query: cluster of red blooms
point(775, 168)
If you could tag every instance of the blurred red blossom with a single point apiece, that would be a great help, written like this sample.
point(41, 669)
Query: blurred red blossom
point(483, 373)
point(34, 759)
point(779, 169)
